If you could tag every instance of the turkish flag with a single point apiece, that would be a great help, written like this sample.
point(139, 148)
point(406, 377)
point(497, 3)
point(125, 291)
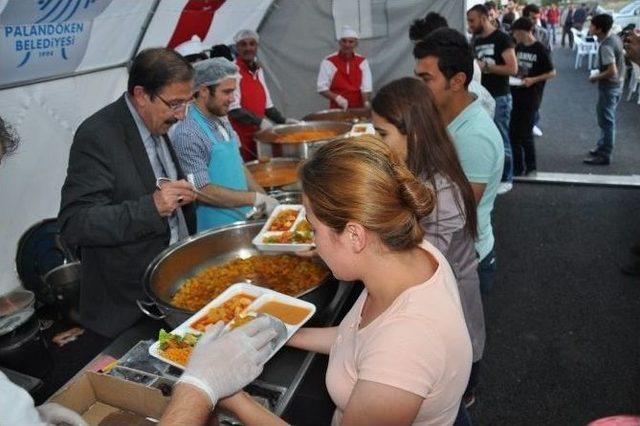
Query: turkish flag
point(196, 18)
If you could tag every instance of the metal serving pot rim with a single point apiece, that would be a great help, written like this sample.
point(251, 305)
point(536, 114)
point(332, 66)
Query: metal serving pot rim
point(176, 246)
point(264, 136)
point(274, 160)
point(68, 265)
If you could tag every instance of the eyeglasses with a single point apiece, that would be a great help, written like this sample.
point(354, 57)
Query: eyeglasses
point(175, 106)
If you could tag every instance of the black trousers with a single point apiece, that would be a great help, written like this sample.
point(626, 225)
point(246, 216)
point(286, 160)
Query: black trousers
point(521, 135)
point(567, 31)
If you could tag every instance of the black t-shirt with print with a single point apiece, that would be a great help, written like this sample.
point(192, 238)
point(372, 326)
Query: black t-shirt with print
point(533, 60)
point(490, 49)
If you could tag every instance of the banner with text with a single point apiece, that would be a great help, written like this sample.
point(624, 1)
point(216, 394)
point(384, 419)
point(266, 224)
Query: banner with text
point(44, 38)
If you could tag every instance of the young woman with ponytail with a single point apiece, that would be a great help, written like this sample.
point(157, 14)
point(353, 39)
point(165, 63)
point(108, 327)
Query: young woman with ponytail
point(402, 355)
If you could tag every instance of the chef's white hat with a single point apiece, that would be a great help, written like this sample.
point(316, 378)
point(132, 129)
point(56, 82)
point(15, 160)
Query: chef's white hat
point(348, 32)
point(191, 47)
point(245, 34)
point(213, 71)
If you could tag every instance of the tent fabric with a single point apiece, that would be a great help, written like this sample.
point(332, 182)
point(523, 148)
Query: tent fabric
point(227, 20)
point(45, 116)
point(292, 47)
point(295, 36)
point(89, 39)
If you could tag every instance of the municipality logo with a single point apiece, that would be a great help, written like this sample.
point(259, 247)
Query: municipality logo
point(48, 29)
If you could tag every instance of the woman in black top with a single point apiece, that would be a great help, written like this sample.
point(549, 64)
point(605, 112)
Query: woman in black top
point(534, 68)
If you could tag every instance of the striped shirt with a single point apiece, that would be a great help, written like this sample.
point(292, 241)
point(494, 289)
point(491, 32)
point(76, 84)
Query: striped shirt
point(194, 147)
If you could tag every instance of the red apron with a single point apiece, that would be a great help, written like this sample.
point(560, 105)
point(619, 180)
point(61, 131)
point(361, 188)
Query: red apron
point(253, 97)
point(347, 80)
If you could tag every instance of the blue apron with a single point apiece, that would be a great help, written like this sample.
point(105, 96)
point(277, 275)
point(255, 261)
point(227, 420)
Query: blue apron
point(225, 169)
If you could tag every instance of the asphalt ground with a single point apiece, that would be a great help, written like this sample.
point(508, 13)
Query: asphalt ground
point(568, 120)
point(563, 323)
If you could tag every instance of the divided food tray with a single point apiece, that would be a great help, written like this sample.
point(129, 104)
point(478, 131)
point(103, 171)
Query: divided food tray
point(261, 296)
point(265, 232)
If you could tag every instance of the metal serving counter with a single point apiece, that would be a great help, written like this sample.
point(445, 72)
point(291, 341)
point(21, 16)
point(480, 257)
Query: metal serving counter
point(282, 375)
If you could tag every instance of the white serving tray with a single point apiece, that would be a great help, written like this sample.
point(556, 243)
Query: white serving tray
point(264, 232)
point(263, 295)
point(515, 82)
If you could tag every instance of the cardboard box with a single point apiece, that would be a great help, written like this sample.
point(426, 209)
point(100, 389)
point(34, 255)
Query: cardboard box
point(97, 397)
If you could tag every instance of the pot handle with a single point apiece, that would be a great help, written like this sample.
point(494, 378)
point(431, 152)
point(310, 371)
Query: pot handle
point(144, 307)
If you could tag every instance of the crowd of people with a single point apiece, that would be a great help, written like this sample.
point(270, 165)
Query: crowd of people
point(406, 212)
point(609, 75)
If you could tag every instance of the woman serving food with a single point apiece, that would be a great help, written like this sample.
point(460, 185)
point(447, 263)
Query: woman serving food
point(404, 341)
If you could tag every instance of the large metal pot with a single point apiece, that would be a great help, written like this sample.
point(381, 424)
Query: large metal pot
point(287, 197)
point(352, 115)
point(64, 282)
point(168, 271)
point(304, 149)
point(276, 173)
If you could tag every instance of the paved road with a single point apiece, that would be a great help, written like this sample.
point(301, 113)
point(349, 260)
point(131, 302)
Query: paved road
point(570, 128)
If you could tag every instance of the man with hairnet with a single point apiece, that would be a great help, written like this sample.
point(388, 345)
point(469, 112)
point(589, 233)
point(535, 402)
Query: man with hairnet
point(252, 108)
point(345, 77)
point(208, 148)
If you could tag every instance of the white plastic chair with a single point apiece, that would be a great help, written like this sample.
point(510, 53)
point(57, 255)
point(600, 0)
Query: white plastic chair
point(577, 38)
point(584, 48)
point(634, 82)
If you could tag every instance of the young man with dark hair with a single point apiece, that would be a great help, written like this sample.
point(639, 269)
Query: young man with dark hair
point(534, 68)
point(494, 13)
point(421, 28)
point(532, 11)
point(566, 21)
point(495, 52)
point(209, 149)
point(541, 34)
point(610, 79)
point(580, 17)
point(444, 61)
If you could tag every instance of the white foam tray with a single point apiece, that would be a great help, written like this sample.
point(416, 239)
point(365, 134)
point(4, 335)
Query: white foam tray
point(262, 295)
point(264, 232)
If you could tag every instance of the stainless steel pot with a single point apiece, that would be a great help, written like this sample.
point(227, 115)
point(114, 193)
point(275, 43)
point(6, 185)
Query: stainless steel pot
point(64, 282)
point(168, 271)
point(266, 173)
point(287, 197)
point(352, 115)
point(301, 149)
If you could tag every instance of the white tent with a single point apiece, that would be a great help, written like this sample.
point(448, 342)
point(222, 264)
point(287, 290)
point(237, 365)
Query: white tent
point(77, 64)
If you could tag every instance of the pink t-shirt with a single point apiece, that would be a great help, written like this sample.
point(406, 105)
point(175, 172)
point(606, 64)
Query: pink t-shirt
point(420, 344)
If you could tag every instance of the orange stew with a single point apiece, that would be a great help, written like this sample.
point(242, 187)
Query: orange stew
point(286, 274)
point(307, 136)
point(274, 174)
point(284, 220)
point(287, 313)
point(225, 312)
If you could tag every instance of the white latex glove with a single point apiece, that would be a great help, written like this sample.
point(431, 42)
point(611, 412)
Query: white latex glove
point(266, 124)
point(222, 365)
point(342, 102)
point(270, 203)
point(56, 414)
point(291, 121)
